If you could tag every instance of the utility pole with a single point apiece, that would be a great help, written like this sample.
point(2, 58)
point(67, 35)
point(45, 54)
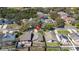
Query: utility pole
point(45, 43)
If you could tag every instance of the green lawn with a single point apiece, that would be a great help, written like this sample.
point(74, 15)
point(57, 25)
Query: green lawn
point(57, 49)
point(53, 44)
point(53, 49)
point(63, 32)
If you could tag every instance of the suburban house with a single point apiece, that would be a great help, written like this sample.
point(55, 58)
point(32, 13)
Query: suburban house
point(8, 37)
point(63, 15)
point(68, 19)
point(42, 15)
point(5, 21)
point(7, 41)
point(49, 21)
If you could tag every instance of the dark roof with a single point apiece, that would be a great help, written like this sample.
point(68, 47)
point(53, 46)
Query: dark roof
point(3, 21)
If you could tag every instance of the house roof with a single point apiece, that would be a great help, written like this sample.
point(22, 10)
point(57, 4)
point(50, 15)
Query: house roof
point(62, 13)
point(74, 36)
point(49, 21)
point(5, 21)
point(7, 37)
point(69, 19)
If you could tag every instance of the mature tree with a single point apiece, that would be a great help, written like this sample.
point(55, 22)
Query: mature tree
point(77, 18)
point(60, 22)
point(53, 14)
point(48, 26)
point(24, 27)
point(13, 13)
point(77, 25)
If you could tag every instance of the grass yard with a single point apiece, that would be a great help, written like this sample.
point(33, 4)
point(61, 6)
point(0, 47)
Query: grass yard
point(38, 43)
point(53, 44)
point(53, 49)
point(57, 49)
point(63, 32)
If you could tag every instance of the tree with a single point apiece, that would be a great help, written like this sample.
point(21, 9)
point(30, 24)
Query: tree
point(53, 14)
point(24, 27)
point(60, 22)
point(77, 25)
point(17, 14)
point(74, 10)
point(77, 18)
point(48, 26)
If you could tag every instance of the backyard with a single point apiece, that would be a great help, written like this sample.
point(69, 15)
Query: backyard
point(53, 44)
point(64, 32)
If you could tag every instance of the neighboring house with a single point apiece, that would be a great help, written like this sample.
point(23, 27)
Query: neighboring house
point(8, 37)
point(25, 20)
point(42, 15)
point(49, 21)
point(69, 20)
point(7, 41)
point(4, 25)
point(1, 22)
point(5, 21)
point(45, 16)
point(63, 14)
point(30, 19)
point(42, 20)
